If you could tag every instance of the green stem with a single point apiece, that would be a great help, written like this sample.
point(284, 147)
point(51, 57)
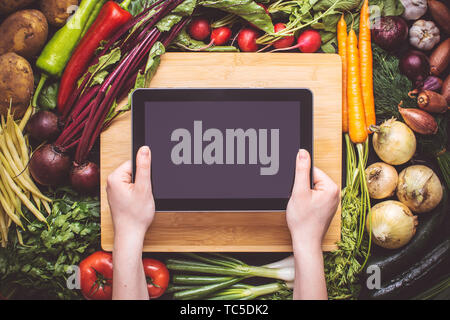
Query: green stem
point(204, 291)
point(39, 87)
point(125, 4)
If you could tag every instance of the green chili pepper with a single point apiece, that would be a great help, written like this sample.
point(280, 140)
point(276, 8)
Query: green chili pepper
point(58, 50)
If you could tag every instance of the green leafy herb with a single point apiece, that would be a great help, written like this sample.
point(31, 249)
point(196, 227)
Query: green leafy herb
point(39, 268)
point(184, 41)
point(388, 7)
point(246, 9)
point(48, 98)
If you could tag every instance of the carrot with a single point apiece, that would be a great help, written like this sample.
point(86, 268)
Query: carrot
point(365, 52)
point(356, 116)
point(342, 43)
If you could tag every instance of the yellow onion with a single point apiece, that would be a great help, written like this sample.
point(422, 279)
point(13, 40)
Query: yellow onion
point(393, 224)
point(419, 188)
point(394, 142)
point(381, 180)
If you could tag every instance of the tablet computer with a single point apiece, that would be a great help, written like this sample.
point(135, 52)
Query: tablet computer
point(222, 149)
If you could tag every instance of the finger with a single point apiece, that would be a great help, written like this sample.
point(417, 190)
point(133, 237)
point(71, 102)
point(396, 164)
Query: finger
point(321, 180)
point(143, 173)
point(123, 172)
point(302, 173)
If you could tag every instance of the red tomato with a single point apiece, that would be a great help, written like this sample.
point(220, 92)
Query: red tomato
point(157, 277)
point(285, 42)
point(96, 272)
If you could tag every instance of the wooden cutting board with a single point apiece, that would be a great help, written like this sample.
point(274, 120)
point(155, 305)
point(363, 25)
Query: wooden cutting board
point(235, 231)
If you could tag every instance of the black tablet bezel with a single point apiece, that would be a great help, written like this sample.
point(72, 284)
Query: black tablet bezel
point(140, 96)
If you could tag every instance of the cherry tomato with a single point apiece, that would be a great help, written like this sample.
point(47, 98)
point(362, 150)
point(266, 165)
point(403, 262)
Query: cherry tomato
point(96, 272)
point(157, 277)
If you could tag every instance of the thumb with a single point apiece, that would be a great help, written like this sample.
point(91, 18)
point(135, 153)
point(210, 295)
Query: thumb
point(302, 172)
point(143, 173)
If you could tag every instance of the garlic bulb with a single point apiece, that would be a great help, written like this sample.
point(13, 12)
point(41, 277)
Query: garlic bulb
point(414, 9)
point(424, 35)
point(392, 224)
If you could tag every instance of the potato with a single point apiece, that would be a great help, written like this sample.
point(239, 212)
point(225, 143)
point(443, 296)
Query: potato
point(16, 84)
point(9, 6)
point(56, 11)
point(24, 32)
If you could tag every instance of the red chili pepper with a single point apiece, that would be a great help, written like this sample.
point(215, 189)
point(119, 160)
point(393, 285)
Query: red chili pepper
point(111, 17)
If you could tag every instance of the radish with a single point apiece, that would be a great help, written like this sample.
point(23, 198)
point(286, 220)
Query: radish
point(247, 40)
point(199, 29)
point(220, 36)
point(308, 42)
point(286, 41)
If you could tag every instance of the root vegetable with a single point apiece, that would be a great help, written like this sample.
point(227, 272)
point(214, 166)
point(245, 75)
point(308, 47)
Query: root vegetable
point(415, 65)
point(440, 58)
point(44, 126)
point(441, 14)
point(392, 224)
point(220, 36)
point(9, 6)
point(432, 101)
point(390, 33)
point(247, 40)
point(414, 9)
point(85, 178)
point(57, 11)
point(381, 180)
point(424, 35)
point(419, 188)
point(24, 32)
point(445, 91)
point(49, 166)
point(419, 121)
point(394, 142)
point(285, 41)
point(199, 29)
point(16, 84)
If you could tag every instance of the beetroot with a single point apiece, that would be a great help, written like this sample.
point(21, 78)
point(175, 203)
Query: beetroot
point(85, 178)
point(49, 166)
point(44, 126)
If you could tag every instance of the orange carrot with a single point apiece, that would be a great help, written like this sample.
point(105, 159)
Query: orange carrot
point(356, 116)
point(365, 52)
point(342, 43)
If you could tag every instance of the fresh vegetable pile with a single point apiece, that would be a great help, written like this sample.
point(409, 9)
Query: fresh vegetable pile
point(76, 72)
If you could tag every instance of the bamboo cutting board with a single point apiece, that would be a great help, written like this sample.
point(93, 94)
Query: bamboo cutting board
point(235, 231)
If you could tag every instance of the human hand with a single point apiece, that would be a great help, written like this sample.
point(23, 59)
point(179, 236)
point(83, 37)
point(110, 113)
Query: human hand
point(309, 211)
point(132, 204)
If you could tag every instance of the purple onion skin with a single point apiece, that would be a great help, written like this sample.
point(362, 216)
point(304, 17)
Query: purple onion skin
point(431, 83)
point(415, 65)
point(85, 178)
point(390, 32)
point(49, 166)
point(44, 126)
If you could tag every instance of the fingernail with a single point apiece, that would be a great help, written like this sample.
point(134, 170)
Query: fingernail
point(145, 150)
point(303, 154)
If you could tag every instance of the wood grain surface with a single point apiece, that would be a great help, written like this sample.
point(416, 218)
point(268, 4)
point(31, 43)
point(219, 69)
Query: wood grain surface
point(235, 231)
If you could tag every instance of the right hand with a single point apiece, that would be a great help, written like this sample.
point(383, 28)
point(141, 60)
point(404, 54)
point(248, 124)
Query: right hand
point(310, 211)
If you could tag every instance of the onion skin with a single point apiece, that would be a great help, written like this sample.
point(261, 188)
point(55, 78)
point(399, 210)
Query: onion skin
point(44, 126)
point(419, 121)
point(85, 178)
point(49, 166)
point(419, 188)
point(445, 91)
point(390, 33)
point(440, 14)
point(394, 142)
point(440, 58)
point(415, 65)
point(382, 180)
point(432, 83)
point(392, 224)
point(432, 102)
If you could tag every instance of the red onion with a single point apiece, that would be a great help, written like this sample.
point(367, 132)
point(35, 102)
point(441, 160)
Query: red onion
point(415, 65)
point(390, 32)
